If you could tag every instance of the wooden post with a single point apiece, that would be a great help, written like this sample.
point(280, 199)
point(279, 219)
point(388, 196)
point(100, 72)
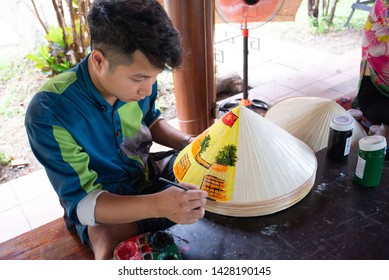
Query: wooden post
point(194, 81)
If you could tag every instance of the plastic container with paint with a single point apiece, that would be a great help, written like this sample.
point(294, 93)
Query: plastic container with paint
point(371, 156)
point(340, 136)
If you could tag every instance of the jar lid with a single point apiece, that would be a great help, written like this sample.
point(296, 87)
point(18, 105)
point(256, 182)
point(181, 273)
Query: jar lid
point(373, 129)
point(355, 113)
point(372, 143)
point(342, 123)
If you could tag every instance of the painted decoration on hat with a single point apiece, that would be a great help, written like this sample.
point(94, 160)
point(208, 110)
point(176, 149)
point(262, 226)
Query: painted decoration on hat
point(249, 165)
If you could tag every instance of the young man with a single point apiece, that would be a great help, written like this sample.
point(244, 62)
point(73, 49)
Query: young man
point(92, 128)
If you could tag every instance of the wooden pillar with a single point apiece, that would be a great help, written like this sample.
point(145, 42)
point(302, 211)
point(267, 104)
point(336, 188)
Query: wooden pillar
point(194, 81)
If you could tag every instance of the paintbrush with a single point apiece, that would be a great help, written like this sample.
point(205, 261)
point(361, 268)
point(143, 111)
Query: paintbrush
point(181, 187)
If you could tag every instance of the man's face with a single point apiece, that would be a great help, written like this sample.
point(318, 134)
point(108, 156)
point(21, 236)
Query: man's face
point(126, 82)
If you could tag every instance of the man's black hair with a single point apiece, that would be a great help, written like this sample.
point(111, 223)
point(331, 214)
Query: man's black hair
point(120, 27)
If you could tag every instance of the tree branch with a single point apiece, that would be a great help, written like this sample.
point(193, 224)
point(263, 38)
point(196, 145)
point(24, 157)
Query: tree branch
point(76, 42)
point(61, 20)
point(332, 12)
point(39, 18)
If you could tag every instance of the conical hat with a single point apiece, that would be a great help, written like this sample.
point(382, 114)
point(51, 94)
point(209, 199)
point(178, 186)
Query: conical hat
point(249, 165)
point(309, 118)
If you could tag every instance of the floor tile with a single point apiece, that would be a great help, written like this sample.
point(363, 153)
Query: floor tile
point(293, 94)
point(337, 79)
point(31, 186)
point(42, 210)
point(315, 88)
point(7, 197)
point(273, 49)
point(338, 64)
point(347, 87)
point(329, 94)
point(297, 81)
point(13, 222)
point(272, 91)
point(304, 59)
point(269, 72)
point(319, 73)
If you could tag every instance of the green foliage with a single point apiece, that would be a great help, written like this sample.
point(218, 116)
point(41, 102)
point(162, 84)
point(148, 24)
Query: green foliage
point(53, 59)
point(55, 36)
point(227, 155)
point(19, 80)
point(4, 159)
point(323, 24)
point(68, 43)
point(205, 144)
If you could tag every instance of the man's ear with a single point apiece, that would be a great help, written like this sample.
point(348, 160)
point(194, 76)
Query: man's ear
point(98, 60)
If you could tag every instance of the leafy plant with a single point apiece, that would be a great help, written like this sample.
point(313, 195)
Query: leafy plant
point(227, 155)
point(67, 43)
point(53, 59)
point(204, 144)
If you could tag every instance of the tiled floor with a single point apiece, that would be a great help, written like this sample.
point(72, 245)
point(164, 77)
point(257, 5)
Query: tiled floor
point(27, 203)
point(279, 69)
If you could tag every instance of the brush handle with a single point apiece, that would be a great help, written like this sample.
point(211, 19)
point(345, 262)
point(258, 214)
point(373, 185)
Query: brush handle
point(173, 183)
point(181, 187)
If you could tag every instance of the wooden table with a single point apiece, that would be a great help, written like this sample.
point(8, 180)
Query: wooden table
point(51, 241)
point(338, 219)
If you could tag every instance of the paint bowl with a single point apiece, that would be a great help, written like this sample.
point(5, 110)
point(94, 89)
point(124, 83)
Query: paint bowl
point(157, 245)
point(127, 250)
point(169, 256)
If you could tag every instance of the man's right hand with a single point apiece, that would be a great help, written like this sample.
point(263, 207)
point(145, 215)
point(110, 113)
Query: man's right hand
point(180, 206)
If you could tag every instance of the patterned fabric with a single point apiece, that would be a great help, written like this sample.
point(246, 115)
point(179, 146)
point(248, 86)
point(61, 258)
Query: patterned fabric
point(85, 144)
point(375, 45)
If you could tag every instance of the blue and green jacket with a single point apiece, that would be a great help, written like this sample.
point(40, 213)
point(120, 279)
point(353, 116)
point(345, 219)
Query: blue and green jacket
point(86, 144)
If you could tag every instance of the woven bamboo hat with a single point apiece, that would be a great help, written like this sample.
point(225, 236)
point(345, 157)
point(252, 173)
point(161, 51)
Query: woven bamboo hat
point(249, 165)
point(309, 118)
